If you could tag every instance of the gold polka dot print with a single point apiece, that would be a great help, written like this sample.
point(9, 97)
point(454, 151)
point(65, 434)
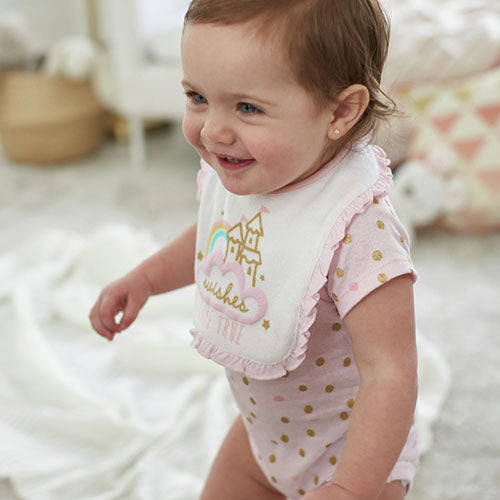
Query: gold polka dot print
point(301, 492)
point(304, 435)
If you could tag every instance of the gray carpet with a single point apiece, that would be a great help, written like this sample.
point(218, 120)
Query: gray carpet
point(458, 306)
point(458, 292)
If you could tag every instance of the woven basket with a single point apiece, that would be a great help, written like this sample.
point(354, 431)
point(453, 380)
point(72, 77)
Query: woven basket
point(48, 119)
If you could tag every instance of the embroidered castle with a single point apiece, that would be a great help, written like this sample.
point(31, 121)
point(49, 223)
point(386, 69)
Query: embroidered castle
point(242, 246)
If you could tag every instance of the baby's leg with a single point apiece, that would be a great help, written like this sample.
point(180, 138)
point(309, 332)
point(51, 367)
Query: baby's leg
point(235, 475)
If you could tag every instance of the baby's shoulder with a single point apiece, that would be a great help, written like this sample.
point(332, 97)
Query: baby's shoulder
point(375, 249)
point(376, 227)
point(378, 216)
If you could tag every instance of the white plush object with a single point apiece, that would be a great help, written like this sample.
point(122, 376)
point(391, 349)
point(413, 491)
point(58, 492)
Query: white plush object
point(18, 45)
point(416, 195)
point(140, 418)
point(421, 193)
point(71, 57)
point(434, 381)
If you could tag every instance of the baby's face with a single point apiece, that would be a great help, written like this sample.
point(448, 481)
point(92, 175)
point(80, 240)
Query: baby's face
point(245, 114)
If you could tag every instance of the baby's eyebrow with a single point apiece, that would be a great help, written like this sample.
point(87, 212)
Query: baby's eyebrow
point(185, 83)
point(249, 97)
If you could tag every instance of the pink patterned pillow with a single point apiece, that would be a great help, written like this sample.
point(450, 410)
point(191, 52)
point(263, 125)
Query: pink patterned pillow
point(457, 128)
point(436, 41)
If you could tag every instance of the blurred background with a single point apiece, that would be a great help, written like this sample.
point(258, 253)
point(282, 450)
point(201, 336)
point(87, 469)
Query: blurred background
point(95, 174)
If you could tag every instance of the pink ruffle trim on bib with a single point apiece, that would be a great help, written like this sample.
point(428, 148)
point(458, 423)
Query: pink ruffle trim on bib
point(307, 315)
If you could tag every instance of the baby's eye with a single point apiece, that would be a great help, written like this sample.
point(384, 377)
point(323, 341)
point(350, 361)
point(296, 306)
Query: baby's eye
point(248, 109)
point(196, 98)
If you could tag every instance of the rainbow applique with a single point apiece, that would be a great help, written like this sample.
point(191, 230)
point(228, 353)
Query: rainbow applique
point(219, 230)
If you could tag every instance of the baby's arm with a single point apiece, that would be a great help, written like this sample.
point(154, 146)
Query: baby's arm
point(170, 268)
point(382, 329)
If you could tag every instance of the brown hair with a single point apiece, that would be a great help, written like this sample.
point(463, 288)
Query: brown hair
point(330, 44)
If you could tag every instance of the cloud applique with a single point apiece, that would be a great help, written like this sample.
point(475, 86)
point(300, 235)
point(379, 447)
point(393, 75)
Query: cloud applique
point(222, 285)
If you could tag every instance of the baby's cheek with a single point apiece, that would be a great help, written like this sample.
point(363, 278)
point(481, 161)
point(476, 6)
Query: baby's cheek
point(191, 129)
point(266, 149)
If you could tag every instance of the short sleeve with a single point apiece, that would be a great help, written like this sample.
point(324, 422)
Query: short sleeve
point(375, 249)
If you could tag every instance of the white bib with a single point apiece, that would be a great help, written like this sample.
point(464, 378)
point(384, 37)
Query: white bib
point(262, 259)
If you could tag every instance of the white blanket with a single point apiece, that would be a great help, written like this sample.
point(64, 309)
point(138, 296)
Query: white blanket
point(140, 418)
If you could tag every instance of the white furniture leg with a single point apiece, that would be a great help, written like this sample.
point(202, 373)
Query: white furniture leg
point(137, 143)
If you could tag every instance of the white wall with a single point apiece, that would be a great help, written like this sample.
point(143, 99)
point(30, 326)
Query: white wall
point(50, 20)
point(156, 15)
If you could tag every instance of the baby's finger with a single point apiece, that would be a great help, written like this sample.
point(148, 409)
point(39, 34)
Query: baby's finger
point(109, 308)
point(97, 325)
point(129, 315)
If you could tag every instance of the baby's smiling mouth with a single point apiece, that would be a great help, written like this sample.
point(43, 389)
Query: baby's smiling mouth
point(232, 163)
point(231, 160)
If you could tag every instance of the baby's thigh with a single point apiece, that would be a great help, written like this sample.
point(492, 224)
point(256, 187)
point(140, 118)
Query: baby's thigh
point(235, 475)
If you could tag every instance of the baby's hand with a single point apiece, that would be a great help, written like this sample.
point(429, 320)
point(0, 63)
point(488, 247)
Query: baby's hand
point(126, 295)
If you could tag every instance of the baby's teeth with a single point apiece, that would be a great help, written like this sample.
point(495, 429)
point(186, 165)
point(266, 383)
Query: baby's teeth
point(232, 160)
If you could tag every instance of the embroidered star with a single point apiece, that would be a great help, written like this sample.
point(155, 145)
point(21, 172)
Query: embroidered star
point(265, 324)
point(262, 277)
point(200, 256)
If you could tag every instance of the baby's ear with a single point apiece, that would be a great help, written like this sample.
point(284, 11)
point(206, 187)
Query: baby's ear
point(347, 109)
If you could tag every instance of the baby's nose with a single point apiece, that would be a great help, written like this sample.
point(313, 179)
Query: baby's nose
point(217, 130)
